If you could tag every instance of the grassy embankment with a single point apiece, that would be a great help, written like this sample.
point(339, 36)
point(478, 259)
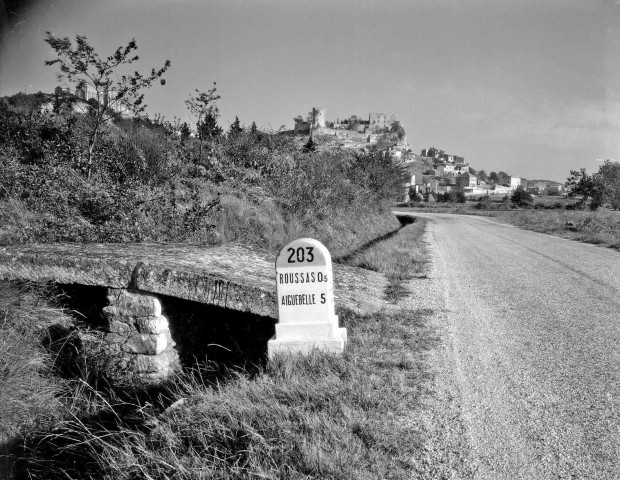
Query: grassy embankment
point(149, 184)
point(321, 416)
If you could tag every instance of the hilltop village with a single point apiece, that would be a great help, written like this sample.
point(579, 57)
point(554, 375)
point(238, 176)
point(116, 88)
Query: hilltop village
point(433, 171)
point(436, 172)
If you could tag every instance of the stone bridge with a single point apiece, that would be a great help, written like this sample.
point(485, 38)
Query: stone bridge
point(140, 278)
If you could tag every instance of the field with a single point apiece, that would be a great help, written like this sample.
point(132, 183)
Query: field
point(600, 227)
point(548, 214)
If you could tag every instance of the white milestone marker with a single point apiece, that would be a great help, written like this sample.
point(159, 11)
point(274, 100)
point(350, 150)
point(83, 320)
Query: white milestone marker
point(305, 288)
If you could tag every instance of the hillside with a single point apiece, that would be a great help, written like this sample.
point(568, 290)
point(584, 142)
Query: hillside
point(151, 183)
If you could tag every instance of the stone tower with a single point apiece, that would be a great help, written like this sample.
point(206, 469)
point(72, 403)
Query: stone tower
point(319, 117)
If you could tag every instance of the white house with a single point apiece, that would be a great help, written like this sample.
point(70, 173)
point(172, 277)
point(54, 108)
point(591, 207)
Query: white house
point(515, 182)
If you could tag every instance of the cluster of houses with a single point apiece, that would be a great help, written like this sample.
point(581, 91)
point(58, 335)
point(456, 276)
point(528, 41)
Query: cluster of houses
point(452, 171)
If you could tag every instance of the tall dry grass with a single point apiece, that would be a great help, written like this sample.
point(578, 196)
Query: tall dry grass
point(30, 393)
point(315, 416)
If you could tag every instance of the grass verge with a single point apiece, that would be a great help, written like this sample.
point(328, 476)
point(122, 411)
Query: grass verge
point(399, 258)
point(600, 227)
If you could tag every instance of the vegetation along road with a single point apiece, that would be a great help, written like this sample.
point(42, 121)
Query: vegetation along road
point(532, 347)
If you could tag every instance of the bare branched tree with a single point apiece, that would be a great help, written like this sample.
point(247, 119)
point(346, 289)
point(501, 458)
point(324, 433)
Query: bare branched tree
point(113, 95)
point(204, 108)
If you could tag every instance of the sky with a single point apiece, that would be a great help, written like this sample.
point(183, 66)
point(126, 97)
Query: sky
point(528, 87)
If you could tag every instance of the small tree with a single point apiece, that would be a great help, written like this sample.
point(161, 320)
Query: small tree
point(503, 178)
point(310, 146)
point(113, 95)
point(521, 197)
point(184, 131)
point(609, 176)
point(397, 128)
point(459, 194)
point(205, 110)
point(484, 202)
point(253, 128)
point(590, 187)
point(456, 195)
point(209, 127)
point(235, 128)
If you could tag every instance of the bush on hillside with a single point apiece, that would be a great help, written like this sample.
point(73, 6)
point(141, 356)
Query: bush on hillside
point(150, 184)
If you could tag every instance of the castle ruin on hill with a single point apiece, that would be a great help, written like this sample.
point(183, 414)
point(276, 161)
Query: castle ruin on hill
point(81, 99)
point(354, 129)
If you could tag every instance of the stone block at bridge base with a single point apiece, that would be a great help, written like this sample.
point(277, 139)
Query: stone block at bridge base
point(138, 343)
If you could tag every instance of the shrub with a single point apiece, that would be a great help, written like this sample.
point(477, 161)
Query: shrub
point(484, 203)
point(521, 197)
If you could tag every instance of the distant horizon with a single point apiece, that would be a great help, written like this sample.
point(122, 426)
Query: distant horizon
point(531, 88)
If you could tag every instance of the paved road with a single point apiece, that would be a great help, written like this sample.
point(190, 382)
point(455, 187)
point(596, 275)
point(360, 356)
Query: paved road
point(532, 324)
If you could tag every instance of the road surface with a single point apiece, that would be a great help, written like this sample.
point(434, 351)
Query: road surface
point(532, 329)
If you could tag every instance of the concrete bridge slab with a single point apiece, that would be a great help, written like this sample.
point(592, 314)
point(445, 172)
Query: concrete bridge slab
point(230, 276)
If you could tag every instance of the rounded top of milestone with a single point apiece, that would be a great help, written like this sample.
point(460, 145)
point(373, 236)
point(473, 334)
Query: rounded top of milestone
point(303, 252)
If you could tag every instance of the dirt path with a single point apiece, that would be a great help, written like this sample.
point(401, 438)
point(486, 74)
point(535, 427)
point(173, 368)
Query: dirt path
point(531, 355)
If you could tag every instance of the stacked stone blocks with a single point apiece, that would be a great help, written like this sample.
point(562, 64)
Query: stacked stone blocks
point(138, 341)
